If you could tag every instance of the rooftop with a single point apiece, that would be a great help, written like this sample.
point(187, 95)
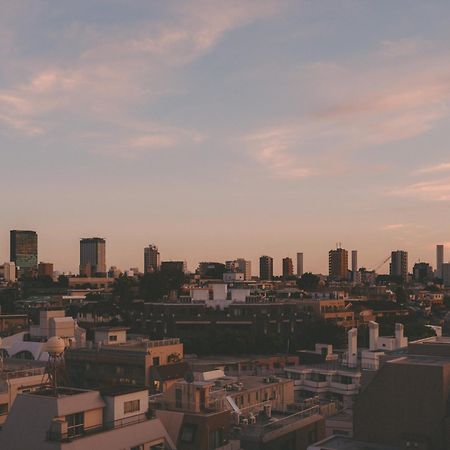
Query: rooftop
point(115, 391)
point(345, 443)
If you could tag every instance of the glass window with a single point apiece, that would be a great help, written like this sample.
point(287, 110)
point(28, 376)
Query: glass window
point(138, 447)
point(178, 396)
point(3, 409)
point(131, 406)
point(75, 424)
point(188, 433)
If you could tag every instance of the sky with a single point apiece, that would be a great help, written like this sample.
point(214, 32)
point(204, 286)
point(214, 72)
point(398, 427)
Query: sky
point(219, 129)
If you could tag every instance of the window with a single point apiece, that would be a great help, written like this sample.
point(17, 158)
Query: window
point(138, 447)
point(216, 439)
point(131, 406)
point(178, 396)
point(75, 424)
point(188, 433)
point(3, 409)
point(156, 361)
point(113, 337)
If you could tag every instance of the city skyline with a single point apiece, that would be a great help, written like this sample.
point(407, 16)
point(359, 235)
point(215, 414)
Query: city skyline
point(440, 252)
point(168, 122)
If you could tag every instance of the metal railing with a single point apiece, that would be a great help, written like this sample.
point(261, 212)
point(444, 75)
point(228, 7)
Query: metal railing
point(68, 436)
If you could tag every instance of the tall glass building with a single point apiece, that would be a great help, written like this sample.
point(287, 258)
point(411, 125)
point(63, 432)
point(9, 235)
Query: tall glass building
point(24, 250)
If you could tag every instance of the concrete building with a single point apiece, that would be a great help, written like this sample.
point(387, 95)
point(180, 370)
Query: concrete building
point(423, 272)
point(30, 344)
point(152, 261)
point(18, 376)
point(266, 268)
point(299, 264)
point(249, 413)
point(92, 257)
point(399, 265)
point(240, 265)
point(8, 272)
point(173, 267)
point(338, 264)
point(446, 274)
point(45, 269)
point(24, 251)
point(406, 404)
point(75, 419)
point(112, 359)
point(288, 267)
point(439, 260)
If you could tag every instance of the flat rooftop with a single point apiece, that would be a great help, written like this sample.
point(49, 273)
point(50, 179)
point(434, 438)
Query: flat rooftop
point(345, 443)
point(115, 391)
point(59, 392)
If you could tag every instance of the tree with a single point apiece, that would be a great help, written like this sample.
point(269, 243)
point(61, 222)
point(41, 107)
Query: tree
point(401, 295)
point(308, 281)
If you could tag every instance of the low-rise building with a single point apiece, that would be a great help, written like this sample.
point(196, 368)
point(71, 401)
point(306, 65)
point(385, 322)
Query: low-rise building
point(69, 419)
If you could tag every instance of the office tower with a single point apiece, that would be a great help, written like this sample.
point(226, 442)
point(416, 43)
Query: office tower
point(399, 264)
point(45, 269)
point(354, 261)
point(338, 264)
point(265, 268)
point(24, 251)
point(92, 257)
point(151, 259)
point(439, 260)
point(299, 264)
point(288, 267)
point(446, 274)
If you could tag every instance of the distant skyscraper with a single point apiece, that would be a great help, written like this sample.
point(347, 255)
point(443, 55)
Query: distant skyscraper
point(422, 272)
point(151, 259)
point(24, 250)
point(244, 266)
point(92, 257)
point(265, 268)
point(354, 261)
point(446, 274)
point(399, 264)
point(288, 267)
point(299, 264)
point(439, 260)
point(173, 267)
point(338, 264)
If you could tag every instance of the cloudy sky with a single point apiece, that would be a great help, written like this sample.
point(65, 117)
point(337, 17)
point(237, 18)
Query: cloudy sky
point(223, 129)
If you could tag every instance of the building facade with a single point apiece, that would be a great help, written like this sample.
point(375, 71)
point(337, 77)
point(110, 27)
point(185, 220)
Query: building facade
point(92, 257)
point(24, 251)
point(338, 264)
point(152, 261)
point(266, 268)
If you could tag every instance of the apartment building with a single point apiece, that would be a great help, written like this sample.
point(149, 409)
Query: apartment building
point(113, 359)
point(68, 419)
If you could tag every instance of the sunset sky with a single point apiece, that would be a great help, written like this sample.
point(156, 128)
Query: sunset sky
point(224, 129)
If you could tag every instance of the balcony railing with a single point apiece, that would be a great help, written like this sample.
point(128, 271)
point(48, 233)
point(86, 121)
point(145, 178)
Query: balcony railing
point(55, 436)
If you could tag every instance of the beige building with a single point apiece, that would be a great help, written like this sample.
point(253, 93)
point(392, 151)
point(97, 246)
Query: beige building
point(75, 419)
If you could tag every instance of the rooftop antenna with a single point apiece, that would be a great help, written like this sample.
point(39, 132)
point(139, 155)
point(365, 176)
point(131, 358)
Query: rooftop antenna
point(55, 347)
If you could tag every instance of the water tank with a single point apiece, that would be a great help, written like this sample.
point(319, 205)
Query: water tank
point(55, 346)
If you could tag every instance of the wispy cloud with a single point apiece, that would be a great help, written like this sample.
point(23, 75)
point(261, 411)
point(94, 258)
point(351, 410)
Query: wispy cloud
point(443, 167)
point(436, 191)
point(113, 73)
point(367, 105)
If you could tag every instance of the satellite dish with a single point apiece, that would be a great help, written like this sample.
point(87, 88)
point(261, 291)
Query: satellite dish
point(55, 346)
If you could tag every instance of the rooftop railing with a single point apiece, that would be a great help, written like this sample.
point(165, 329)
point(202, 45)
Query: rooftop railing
point(81, 432)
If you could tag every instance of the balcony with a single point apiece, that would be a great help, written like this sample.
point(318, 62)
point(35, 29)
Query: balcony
point(81, 432)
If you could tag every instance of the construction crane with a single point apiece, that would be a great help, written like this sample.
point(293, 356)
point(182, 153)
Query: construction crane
point(381, 264)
